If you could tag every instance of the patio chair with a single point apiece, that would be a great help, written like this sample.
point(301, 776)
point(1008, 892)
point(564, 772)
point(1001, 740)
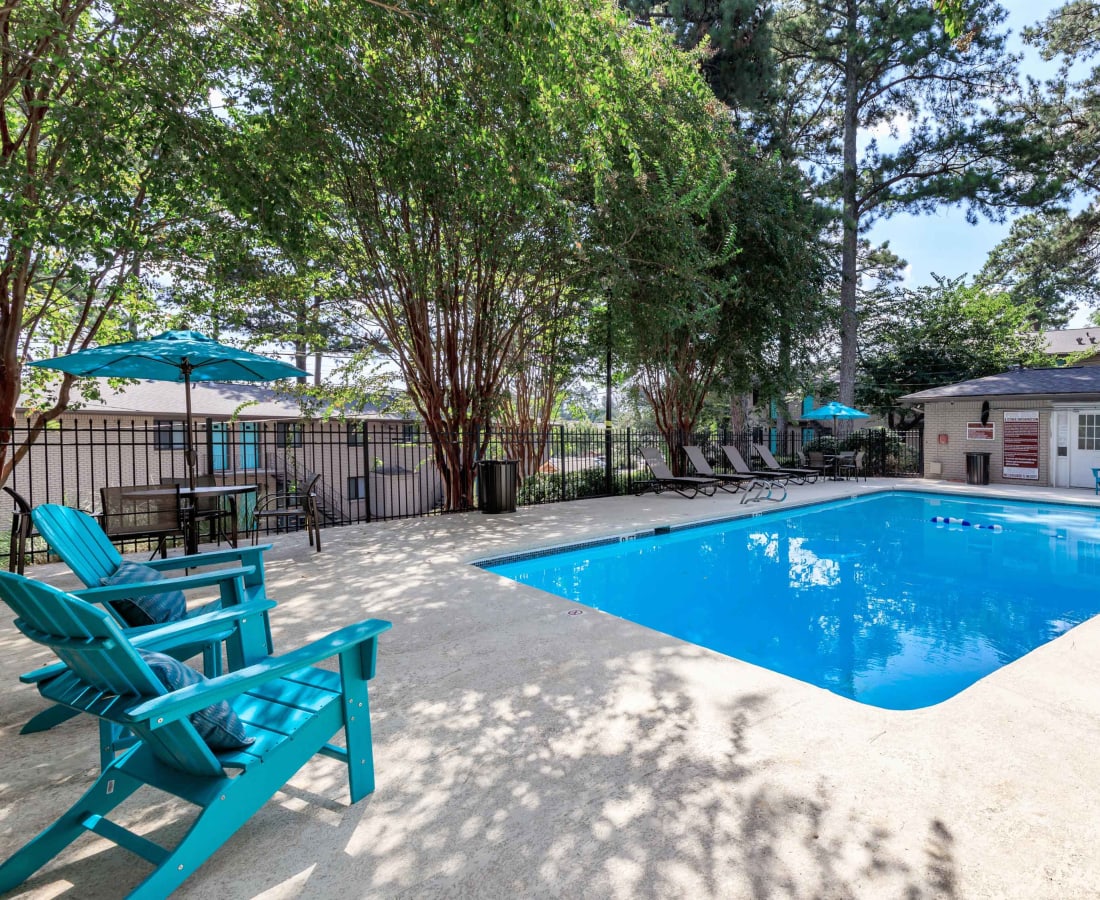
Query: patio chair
point(219, 513)
point(142, 511)
point(798, 475)
point(852, 467)
point(815, 460)
point(22, 529)
point(739, 465)
point(663, 480)
point(299, 508)
point(727, 482)
point(281, 712)
point(85, 548)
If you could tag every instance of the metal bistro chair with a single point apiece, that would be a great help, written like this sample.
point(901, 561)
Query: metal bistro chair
point(297, 507)
point(219, 512)
point(143, 511)
point(22, 529)
point(852, 466)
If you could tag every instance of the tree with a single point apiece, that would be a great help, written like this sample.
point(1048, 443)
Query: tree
point(537, 377)
point(448, 199)
point(738, 64)
point(954, 14)
point(940, 334)
point(859, 67)
point(1050, 261)
point(237, 278)
point(1053, 255)
point(719, 290)
point(104, 126)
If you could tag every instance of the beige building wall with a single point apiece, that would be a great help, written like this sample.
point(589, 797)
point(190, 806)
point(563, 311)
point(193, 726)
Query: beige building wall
point(946, 444)
point(84, 452)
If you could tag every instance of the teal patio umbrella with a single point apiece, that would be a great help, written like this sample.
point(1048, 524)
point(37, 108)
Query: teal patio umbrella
point(835, 411)
point(182, 356)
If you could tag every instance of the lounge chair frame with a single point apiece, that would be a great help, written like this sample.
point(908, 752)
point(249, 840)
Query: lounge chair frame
point(797, 475)
point(730, 483)
point(738, 462)
point(687, 486)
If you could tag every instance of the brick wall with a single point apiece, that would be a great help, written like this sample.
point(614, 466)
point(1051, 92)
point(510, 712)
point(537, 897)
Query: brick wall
point(950, 418)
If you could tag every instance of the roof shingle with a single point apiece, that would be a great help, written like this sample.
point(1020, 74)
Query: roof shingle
point(1020, 382)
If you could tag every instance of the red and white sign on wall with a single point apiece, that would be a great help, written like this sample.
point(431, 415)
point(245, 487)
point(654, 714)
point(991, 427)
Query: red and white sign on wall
point(1021, 444)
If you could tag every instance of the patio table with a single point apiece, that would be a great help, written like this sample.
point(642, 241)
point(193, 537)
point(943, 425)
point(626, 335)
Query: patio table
point(835, 459)
point(194, 494)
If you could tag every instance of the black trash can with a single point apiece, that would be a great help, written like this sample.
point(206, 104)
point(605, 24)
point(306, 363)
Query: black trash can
point(977, 468)
point(496, 485)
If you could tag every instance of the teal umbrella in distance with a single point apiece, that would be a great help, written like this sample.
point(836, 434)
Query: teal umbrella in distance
point(182, 356)
point(835, 411)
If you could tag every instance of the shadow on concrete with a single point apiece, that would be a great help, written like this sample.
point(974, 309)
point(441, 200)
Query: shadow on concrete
point(520, 752)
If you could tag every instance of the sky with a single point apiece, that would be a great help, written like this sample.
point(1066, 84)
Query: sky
point(944, 243)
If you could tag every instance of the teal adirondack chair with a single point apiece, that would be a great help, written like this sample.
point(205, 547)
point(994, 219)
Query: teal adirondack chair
point(80, 542)
point(290, 707)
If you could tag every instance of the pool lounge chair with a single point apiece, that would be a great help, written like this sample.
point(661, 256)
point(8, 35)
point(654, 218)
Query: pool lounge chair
point(755, 488)
point(799, 476)
point(739, 465)
point(730, 483)
point(663, 479)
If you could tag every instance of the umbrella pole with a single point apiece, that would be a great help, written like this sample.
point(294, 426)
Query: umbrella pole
point(189, 455)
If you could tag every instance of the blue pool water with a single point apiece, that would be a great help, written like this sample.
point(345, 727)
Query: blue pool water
point(869, 597)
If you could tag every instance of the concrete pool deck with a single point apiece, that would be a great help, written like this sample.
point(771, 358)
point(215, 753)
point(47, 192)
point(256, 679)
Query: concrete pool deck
point(524, 752)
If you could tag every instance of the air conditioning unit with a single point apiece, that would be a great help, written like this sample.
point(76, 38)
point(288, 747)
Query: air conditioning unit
point(934, 468)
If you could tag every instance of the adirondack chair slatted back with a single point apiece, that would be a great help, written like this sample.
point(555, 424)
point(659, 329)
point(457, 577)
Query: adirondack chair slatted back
point(103, 668)
point(77, 538)
point(698, 461)
point(656, 462)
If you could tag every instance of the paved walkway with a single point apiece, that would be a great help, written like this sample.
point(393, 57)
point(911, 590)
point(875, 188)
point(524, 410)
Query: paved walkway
point(523, 752)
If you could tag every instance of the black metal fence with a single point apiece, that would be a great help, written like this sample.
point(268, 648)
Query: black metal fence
point(379, 469)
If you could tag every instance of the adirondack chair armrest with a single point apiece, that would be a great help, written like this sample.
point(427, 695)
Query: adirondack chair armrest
point(182, 583)
point(165, 637)
point(251, 556)
point(171, 707)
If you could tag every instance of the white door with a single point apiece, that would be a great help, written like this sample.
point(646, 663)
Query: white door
point(1059, 445)
point(1084, 448)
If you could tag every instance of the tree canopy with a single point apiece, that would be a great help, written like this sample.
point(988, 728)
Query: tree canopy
point(889, 68)
point(104, 128)
point(940, 334)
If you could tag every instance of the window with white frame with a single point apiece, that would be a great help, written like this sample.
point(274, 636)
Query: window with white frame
point(1088, 431)
point(357, 488)
point(169, 435)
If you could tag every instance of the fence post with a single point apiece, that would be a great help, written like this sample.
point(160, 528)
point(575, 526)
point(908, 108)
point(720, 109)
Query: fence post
point(368, 464)
point(607, 467)
point(629, 464)
point(561, 449)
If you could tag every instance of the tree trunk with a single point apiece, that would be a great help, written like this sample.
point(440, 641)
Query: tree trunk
point(849, 319)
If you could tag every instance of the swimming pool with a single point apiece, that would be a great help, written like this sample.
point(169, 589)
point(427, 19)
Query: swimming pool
point(897, 600)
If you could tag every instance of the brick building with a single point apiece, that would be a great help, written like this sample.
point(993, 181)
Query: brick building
point(1039, 426)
